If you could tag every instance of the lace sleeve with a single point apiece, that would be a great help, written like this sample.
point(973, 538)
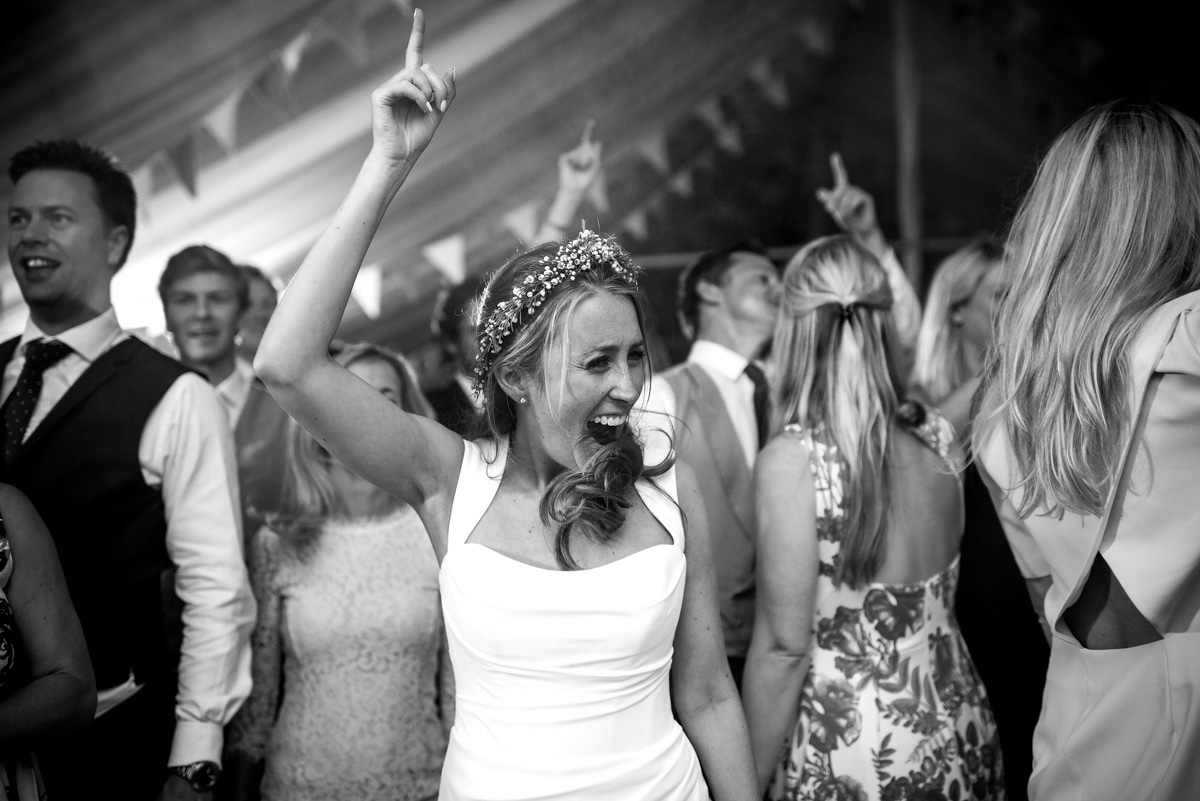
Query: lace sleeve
point(250, 730)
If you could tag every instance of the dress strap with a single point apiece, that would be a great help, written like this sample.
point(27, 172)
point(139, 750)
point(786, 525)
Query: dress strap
point(478, 481)
point(661, 496)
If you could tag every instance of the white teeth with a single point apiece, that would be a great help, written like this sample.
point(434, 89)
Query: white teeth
point(36, 262)
point(610, 419)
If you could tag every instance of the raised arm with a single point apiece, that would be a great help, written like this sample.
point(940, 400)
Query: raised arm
point(703, 692)
point(408, 456)
point(778, 660)
point(577, 169)
point(853, 209)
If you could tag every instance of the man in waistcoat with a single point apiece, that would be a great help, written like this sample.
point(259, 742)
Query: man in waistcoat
point(727, 303)
point(204, 297)
point(127, 456)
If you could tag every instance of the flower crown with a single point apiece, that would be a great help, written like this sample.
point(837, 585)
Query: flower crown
point(573, 258)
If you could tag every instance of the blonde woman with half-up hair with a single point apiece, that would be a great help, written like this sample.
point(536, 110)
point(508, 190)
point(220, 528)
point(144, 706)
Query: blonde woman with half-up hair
point(1088, 432)
point(857, 664)
point(575, 576)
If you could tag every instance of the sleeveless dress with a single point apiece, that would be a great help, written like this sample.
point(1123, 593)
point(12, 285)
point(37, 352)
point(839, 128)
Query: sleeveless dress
point(349, 664)
point(892, 707)
point(562, 676)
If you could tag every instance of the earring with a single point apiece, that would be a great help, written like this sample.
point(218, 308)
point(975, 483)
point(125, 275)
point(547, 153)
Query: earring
point(521, 400)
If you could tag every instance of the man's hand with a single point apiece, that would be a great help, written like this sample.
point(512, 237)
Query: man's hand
point(578, 167)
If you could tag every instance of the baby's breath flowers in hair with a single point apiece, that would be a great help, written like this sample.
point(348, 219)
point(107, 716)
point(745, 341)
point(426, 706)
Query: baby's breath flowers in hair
point(579, 255)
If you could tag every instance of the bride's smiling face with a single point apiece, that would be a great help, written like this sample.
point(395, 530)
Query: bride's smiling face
point(593, 374)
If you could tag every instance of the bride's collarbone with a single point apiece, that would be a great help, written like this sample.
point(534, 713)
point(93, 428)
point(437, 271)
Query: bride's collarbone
point(513, 527)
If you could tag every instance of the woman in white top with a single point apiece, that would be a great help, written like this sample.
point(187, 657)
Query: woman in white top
point(575, 621)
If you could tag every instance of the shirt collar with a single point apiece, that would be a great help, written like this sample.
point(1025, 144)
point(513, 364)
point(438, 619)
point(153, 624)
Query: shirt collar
point(90, 340)
point(718, 358)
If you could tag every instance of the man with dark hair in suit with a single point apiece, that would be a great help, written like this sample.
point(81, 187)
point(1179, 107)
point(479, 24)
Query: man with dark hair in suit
point(127, 456)
point(204, 297)
point(727, 303)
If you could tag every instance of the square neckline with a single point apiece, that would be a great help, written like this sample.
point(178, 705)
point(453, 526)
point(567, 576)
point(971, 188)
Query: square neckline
point(486, 487)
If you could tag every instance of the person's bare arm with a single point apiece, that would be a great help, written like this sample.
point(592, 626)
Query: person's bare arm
point(706, 700)
point(60, 694)
point(409, 456)
point(577, 169)
point(778, 660)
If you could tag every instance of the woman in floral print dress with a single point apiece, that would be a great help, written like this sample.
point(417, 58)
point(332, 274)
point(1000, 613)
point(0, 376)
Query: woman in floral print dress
point(858, 684)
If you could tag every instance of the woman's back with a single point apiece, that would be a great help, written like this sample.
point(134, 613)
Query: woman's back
point(925, 512)
point(892, 703)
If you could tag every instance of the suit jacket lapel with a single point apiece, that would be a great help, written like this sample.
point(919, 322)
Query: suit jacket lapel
point(723, 444)
point(94, 377)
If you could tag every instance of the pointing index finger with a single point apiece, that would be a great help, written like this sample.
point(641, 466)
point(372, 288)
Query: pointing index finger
point(416, 41)
point(587, 132)
point(839, 171)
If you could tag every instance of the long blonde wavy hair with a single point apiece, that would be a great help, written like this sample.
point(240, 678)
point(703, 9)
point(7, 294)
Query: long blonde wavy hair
point(941, 365)
point(833, 358)
point(310, 498)
point(1109, 230)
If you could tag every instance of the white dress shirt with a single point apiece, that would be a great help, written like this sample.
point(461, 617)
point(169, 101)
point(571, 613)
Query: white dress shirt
point(728, 371)
point(186, 451)
point(234, 391)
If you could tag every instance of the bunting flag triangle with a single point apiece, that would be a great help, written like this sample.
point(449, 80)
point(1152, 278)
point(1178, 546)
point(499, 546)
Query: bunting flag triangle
point(816, 37)
point(523, 221)
point(773, 86)
point(345, 29)
point(143, 187)
point(654, 150)
point(368, 290)
point(449, 255)
point(221, 122)
point(289, 57)
point(273, 92)
point(597, 192)
point(725, 131)
point(182, 160)
point(681, 183)
point(637, 224)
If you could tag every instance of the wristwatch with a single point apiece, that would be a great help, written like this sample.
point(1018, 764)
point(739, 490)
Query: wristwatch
point(201, 775)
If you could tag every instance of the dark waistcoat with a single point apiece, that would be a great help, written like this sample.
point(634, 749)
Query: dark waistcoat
point(80, 469)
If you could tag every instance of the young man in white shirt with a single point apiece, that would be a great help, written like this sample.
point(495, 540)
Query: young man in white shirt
point(127, 455)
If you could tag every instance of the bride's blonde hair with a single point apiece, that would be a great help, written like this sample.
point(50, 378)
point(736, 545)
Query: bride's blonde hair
point(1109, 230)
point(833, 358)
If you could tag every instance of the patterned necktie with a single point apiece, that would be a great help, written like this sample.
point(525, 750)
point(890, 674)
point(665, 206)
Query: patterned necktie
point(761, 399)
point(40, 354)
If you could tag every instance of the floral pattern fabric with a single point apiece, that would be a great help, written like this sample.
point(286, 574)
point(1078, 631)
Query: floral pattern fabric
point(892, 707)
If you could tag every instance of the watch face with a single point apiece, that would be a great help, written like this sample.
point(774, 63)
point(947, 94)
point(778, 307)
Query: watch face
point(204, 777)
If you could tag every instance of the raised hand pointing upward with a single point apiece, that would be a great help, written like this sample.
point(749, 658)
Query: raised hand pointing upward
point(406, 108)
point(578, 167)
point(852, 208)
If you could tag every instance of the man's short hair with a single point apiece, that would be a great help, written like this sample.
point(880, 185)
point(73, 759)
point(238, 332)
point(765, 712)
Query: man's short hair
point(114, 188)
point(251, 274)
point(196, 259)
point(454, 307)
point(711, 267)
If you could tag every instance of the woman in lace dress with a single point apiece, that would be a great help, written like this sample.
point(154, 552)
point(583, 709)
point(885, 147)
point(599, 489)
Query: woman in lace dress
point(858, 685)
point(353, 693)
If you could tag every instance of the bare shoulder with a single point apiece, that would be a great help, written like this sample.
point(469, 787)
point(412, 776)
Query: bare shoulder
point(787, 451)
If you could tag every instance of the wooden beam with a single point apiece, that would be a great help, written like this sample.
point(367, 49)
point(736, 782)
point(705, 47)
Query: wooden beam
point(908, 141)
